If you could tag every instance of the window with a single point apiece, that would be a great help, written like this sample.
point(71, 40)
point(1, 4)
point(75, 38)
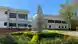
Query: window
point(5, 23)
point(26, 17)
point(12, 24)
point(6, 12)
point(65, 26)
point(63, 22)
point(22, 16)
point(59, 26)
point(49, 26)
point(57, 21)
point(12, 15)
point(62, 27)
point(23, 25)
point(29, 25)
point(50, 21)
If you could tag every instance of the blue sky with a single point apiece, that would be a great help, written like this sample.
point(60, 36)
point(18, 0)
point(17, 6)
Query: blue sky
point(48, 6)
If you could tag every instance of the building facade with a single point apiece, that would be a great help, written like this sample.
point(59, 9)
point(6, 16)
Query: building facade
point(13, 18)
point(52, 22)
point(55, 22)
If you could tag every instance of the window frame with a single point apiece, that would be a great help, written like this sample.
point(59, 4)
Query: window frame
point(12, 24)
point(6, 12)
point(5, 23)
point(50, 21)
point(10, 15)
point(49, 26)
point(64, 22)
point(23, 17)
point(57, 21)
point(22, 25)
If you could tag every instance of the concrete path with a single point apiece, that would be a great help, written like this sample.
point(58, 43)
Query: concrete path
point(73, 33)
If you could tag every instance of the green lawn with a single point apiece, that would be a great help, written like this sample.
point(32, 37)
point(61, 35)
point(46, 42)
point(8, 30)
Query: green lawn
point(47, 37)
point(24, 39)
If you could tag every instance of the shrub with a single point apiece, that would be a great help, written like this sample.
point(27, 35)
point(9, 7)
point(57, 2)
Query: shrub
point(6, 39)
point(21, 39)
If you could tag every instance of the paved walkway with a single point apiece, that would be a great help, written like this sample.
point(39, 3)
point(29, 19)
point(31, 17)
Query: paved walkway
point(73, 33)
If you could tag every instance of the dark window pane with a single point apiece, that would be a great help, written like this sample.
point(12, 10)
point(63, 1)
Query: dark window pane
point(5, 23)
point(5, 12)
point(23, 25)
point(26, 17)
point(12, 15)
point(65, 26)
point(50, 21)
point(63, 22)
point(21, 16)
point(57, 21)
point(59, 26)
point(12, 24)
point(29, 25)
point(49, 26)
point(62, 27)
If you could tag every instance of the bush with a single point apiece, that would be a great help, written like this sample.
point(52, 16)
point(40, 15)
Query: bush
point(45, 38)
point(21, 39)
point(6, 39)
point(71, 40)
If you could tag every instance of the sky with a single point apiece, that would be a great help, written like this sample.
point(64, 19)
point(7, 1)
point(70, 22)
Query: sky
point(48, 6)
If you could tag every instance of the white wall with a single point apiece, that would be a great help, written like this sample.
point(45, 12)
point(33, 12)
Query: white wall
point(56, 25)
point(2, 24)
point(51, 17)
point(3, 18)
point(53, 25)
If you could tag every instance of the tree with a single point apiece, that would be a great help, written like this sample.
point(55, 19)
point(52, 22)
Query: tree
point(66, 12)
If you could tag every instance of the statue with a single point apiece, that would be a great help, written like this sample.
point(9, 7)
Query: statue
point(38, 19)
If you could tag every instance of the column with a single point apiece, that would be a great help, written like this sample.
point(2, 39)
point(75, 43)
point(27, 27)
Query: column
point(26, 20)
point(8, 19)
point(45, 21)
point(16, 19)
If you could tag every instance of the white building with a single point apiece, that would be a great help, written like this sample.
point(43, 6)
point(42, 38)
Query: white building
point(52, 22)
point(13, 18)
point(57, 22)
point(48, 21)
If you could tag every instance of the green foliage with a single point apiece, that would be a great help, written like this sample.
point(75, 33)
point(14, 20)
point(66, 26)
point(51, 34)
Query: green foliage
point(22, 39)
point(16, 33)
point(59, 41)
point(6, 39)
point(41, 38)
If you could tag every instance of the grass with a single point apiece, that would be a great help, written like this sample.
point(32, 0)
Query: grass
point(71, 40)
point(24, 39)
point(48, 37)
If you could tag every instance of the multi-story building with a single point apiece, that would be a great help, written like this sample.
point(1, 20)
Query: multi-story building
point(53, 22)
point(13, 18)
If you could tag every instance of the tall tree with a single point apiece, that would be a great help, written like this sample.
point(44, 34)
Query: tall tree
point(66, 12)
